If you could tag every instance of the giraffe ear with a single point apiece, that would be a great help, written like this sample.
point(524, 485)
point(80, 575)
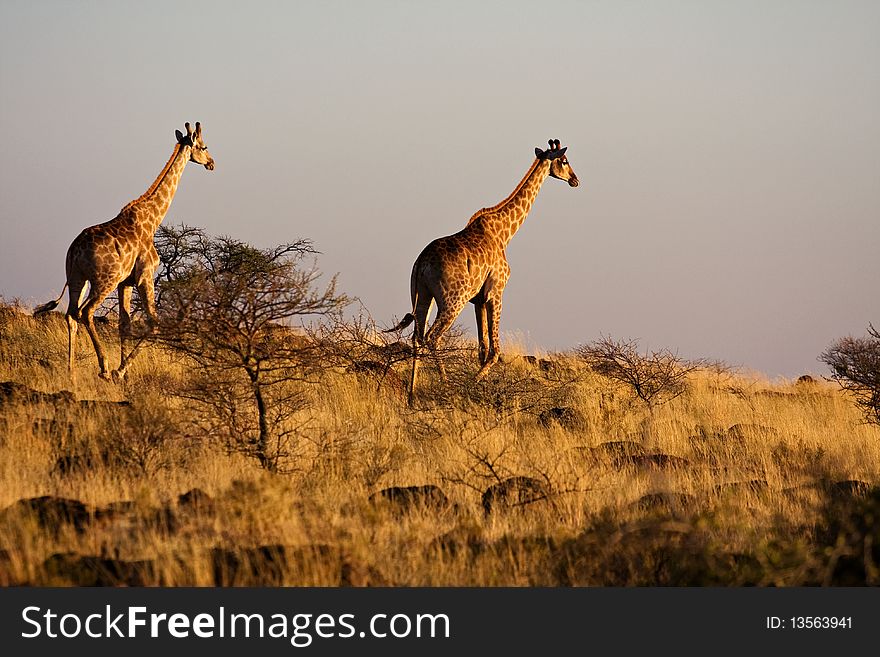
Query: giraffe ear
point(179, 136)
point(562, 152)
point(539, 154)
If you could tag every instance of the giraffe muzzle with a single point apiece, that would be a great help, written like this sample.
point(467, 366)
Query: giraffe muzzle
point(573, 181)
point(209, 165)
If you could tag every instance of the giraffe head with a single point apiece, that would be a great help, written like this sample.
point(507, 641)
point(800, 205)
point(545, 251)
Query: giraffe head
point(559, 166)
point(199, 152)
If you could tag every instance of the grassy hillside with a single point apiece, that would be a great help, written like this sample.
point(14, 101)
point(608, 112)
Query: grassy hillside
point(545, 474)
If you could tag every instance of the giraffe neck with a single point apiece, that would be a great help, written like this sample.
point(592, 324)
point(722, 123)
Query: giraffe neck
point(153, 204)
point(505, 218)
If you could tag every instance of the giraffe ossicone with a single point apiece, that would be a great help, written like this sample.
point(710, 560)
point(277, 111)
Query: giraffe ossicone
point(120, 254)
point(471, 266)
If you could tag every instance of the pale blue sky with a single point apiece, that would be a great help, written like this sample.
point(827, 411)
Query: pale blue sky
point(729, 152)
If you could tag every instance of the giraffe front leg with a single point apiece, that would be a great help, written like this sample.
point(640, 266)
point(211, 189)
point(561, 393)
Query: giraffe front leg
point(147, 296)
point(440, 363)
point(493, 310)
point(482, 333)
point(124, 293)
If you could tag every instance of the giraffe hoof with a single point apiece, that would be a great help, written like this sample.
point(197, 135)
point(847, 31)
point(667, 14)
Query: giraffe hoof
point(106, 376)
point(484, 370)
point(118, 376)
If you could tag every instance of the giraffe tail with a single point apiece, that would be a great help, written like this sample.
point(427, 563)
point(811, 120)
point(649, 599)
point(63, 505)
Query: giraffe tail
point(51, 305)
point(408, 319)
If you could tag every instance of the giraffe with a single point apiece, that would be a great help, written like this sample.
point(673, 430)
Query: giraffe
point(120, 254)
point(471, 265)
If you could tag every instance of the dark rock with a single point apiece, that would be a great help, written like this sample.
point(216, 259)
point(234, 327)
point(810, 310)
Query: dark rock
point(774, 394)
point(619, 448)
point(225, 566)
point(847, 489)
point(530, 545)
point(196, 500)
point(408, 498)
point(7, 577)
point(98, 571)
point(116, 511)
point(271, 565)
point(267, 562)
point(51, 512)
point(263, 565)
point(618, 453)
point(659, 461)
point(104, 404)
point(459, 541)
point(623, 453)
point(753, 486)
point(565, 417)
point(13, 392)
point(669, 502)
point(353, 573)
point(514, 492)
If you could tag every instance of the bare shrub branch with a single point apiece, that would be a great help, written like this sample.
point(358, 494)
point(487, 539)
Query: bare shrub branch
point(855, 365)
point(656, 377)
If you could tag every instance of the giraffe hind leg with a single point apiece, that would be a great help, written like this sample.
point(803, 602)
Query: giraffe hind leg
point(414, 372)
point(87, 314)
point(421, 309)
point(72, 324)
point(493, 310)
point(74, 294)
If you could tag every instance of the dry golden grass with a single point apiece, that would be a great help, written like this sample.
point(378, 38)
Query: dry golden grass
point(735, 482)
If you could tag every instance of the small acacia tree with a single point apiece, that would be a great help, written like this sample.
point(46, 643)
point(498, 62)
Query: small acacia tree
point(226, 306)
point(656, 377)
point(855, 365)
